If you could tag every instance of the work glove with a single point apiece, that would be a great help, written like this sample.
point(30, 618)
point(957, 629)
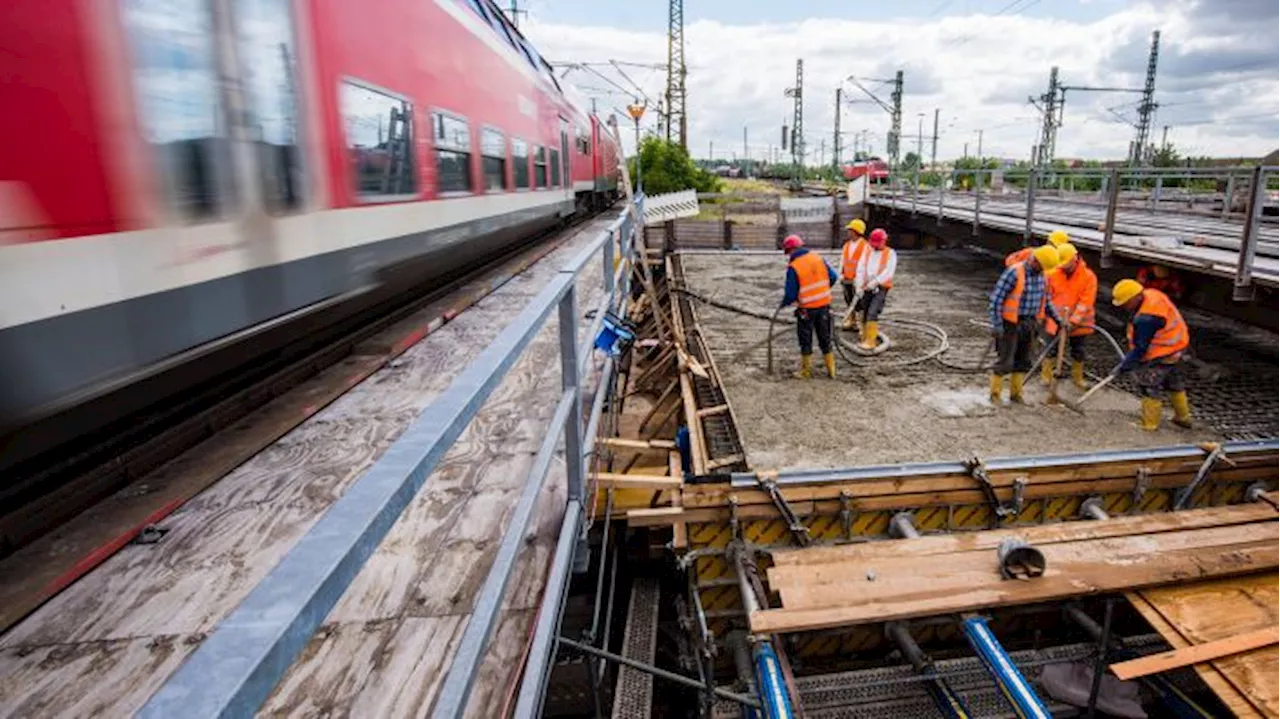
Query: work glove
point(873, 286)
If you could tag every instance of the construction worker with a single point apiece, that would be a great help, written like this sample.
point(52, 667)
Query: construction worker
point(1159, 277)
point(809, 283)
point(1017, 308)
point(1158, 338)
point(874, 280)
point(1073, 292)
point(854, 247)
point(1056, 238)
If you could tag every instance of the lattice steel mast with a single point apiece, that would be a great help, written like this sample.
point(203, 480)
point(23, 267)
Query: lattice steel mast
point(675, 96)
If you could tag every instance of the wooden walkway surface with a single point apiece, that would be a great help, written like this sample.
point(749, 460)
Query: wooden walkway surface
point(104, 645)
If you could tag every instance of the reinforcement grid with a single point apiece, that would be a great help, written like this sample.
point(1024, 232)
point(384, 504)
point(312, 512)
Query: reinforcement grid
point(1231, 374)
point(897, 692)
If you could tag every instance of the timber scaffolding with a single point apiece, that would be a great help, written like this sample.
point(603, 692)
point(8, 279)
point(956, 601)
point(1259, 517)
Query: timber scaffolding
point(878, 590)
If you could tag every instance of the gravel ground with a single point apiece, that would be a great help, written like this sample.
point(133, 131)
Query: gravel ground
point(874, 414)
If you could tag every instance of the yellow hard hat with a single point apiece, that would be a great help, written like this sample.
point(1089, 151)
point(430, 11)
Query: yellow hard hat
point(1046, 256)
point(1124, 291)
point(1066, 253)
point(858, 226)
point(1058, 237)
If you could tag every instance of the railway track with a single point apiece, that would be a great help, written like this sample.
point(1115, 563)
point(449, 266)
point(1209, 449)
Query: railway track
point(169, 456)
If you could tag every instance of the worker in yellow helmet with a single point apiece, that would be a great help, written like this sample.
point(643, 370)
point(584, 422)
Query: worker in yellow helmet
point(1018, 306)
point(1073, 292)
point(854, 248)
point(1158, 339)
point(1057, 238)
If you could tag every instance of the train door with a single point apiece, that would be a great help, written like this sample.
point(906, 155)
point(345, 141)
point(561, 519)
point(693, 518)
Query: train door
point(564, 160)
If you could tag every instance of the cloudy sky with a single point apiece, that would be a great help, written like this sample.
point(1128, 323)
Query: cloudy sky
point(974, 60)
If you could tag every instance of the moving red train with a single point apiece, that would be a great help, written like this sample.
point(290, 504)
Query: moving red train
point(184, 181)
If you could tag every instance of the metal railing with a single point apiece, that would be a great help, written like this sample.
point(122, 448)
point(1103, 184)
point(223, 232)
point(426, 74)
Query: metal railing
point(1030, 183)
point(238, 666)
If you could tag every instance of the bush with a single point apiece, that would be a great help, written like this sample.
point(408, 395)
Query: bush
point(667, 168)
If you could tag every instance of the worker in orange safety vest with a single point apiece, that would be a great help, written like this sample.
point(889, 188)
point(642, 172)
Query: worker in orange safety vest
point(808, 287)
point(1073, 292)
point(854, 247)
point(1056, 238)
point(1018, 306)
point(1158, 340)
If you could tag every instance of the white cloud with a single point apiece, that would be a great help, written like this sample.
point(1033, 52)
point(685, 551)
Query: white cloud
point(977, 69)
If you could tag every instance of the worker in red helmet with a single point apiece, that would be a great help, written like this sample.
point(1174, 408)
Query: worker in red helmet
point(1159, 277)
point(808, 287)
point(876, 268)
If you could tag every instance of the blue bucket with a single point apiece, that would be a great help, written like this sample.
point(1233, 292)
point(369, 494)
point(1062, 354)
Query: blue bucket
point(614, 336)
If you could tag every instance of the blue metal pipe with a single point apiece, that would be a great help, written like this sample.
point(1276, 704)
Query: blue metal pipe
point(773, 687)
point(1015, 687)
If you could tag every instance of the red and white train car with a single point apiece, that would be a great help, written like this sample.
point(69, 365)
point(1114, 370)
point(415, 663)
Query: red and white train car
point(177, 176)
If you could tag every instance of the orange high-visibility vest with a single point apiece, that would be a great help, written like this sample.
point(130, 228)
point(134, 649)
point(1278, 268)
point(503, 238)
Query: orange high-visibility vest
point(853, 250)
point(884, 262)
point(1009, 310)
point(1021, 255)
point(1170, 339)
point(1074, 297)
point(815, 283)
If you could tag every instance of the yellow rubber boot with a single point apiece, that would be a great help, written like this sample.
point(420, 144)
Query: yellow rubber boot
point(870, 332)
point(997, 388)
point(1150, 414)
point(1016, 381)
point(1077, 375)
point(1181, 409)
point(806, 367)
point(850, 322)
point(1046, 371)
point(830, 360)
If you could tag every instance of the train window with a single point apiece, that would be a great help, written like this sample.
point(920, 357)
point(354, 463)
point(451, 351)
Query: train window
point(453, 152)
point(555, 168)
point(176, 80)
point(493, 158)
point(269, 62)
point(379, 141)
point(539, 166)
point(584, 144)
point(520, 163)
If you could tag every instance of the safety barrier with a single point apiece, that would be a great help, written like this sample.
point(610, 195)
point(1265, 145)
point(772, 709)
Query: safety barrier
point(236, 668)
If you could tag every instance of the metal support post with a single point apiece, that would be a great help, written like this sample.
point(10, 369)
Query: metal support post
point(944, 697)
point(942, 193)
point(607, 262)
point(1109, 229)
point(1155, 196)
point(1015, 687)
point(1031, 207)
point(977, 202)
point(1243, 289)
point(569, 381)
point(1100, 665)
point(1226, 199)
point(915, 189)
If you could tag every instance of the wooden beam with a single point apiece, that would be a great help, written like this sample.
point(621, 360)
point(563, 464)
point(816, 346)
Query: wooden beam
point(679, 530)
point(1151, 569)
point(638, 445)
point(1196, 653)
point(638, 481)
point(712, 411)
point(653, 516)
point(803, 560)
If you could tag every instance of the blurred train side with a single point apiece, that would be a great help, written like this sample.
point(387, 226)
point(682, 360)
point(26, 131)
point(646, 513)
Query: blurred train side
point(187, 185)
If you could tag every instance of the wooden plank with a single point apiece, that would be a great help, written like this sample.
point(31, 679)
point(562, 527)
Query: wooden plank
point(712, 411)
point(638, 444)
point(653, 516)
point(1205, 611)
point(647, 481)
point(832, 584)
point(1037, 535)
point(1234, 700)
point(1196, 653)
point(1141, 571)
point(680, 530)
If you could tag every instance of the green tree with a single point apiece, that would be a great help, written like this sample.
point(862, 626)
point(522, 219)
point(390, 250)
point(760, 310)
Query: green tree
point(666, 167)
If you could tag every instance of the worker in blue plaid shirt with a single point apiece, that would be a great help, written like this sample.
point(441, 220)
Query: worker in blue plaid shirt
point(1017, 309)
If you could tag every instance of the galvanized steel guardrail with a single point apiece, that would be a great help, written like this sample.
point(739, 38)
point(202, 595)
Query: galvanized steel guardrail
point(238, 666)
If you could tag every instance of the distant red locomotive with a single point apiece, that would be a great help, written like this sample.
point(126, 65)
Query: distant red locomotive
point(180, 176)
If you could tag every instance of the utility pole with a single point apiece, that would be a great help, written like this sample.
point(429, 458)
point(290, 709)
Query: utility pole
point(1147, 107)
point(676, 74)
point(895, 129)
point(797, 116)
point(822, 152)
point(711, 151)
point(744, 145)
point(920, 139)
point(933, 155)
point(835, 154)
point(966, 150)
point(1049, 107)
point(1164, 137)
